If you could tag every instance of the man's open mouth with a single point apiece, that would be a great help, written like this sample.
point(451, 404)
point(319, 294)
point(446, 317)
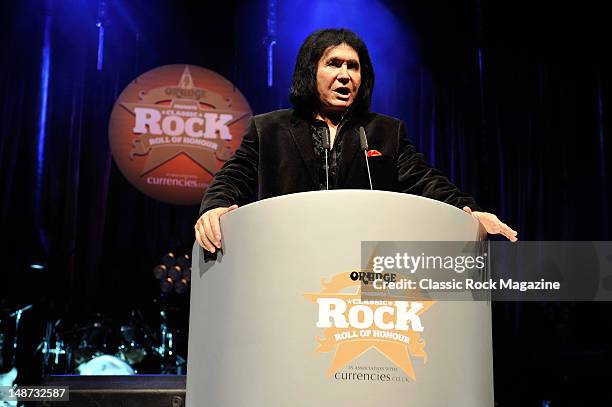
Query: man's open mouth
point(343, 91)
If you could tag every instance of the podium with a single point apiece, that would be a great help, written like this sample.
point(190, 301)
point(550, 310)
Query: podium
point(253, 335)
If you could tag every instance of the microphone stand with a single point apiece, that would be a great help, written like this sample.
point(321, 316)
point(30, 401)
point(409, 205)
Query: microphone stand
point(364, 146)
point(326, 147)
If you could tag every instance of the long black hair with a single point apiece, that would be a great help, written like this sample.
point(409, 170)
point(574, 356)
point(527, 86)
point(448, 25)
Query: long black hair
point(304, 95)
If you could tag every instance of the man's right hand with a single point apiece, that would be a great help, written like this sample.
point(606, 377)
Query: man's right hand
point(208, 230)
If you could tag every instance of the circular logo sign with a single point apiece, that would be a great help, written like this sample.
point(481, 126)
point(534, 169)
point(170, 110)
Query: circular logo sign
point(172, 129)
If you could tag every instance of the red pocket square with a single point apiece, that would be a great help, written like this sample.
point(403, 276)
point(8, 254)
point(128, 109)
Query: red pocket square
point(374, 153)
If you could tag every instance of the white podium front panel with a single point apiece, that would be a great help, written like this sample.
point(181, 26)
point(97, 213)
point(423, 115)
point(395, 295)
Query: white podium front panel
point(254, 339)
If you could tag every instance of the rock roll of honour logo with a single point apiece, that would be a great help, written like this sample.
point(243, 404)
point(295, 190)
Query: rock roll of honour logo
point(172, 129)
point(353, 325)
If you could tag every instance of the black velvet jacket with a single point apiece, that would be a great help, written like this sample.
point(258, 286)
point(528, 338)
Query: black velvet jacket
point(277, 157)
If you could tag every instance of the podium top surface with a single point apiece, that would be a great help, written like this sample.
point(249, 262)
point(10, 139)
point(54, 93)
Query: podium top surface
point(361, 194)
point(368, 215)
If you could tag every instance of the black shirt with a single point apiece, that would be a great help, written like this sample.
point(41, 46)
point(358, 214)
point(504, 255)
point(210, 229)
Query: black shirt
point(317, 127)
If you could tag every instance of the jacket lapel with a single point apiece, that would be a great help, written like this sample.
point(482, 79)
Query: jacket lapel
point(300, 132)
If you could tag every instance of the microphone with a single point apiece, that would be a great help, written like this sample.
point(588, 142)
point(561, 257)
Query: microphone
point(326, 147)
point(364, 146)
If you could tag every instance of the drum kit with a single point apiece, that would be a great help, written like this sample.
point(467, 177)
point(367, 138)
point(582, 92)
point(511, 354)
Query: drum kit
point(100, 346)
point(8, 351)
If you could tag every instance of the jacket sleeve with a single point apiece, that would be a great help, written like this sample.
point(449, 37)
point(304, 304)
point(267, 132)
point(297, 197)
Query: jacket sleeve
point(236, 182)
point(416, 176)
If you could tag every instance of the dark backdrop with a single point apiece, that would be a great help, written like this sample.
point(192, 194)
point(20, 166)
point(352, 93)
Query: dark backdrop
point(509, 98)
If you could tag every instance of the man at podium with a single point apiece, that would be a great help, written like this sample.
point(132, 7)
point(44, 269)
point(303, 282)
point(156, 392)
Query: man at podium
point(329, 140)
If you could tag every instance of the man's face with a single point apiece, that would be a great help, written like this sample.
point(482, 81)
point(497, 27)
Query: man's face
point(338, 77)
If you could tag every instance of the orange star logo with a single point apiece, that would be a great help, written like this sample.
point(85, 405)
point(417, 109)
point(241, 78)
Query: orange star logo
point(353, 325)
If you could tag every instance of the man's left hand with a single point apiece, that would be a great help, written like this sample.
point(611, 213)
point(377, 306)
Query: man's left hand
point(492, 224)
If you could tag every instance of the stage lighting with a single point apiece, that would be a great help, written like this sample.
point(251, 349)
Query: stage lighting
point(166, 285)
point(160, 271)
point(169, 259)
point(181, 286)
point(186, 273)
point(175, 273)
point(183, 261)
